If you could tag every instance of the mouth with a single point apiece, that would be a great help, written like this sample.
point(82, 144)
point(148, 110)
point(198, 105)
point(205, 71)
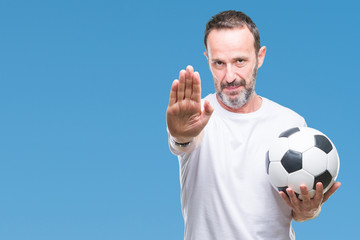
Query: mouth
point(232, 88)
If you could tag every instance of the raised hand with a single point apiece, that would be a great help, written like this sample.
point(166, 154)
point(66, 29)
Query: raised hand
point(184, 116)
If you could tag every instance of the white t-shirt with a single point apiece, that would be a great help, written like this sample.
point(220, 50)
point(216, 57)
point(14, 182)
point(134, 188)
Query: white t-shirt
point(225, 191)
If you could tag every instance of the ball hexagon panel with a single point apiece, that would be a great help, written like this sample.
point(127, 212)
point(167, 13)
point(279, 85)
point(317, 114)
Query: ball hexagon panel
point(314, 161)
point(289, 132)
point(298, 178)
point(278, 149)
point(283, 189)
point(325, 178)
point(267, 162)
point(301, 141)
point(278, 176)
point(292, 161)
point(333, 162)
point(329, 186)
point(323, 143)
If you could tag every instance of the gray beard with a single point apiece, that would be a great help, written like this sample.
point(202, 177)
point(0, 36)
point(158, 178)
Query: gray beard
point(243, 96)
point(238, 101)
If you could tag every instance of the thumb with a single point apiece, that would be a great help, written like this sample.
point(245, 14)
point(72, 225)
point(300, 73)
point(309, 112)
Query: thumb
point(206, 113)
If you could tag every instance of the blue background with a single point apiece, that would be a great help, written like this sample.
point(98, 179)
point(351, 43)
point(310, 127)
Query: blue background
point(84, 90)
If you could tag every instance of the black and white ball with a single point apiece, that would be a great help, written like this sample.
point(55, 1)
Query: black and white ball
point(302, 156)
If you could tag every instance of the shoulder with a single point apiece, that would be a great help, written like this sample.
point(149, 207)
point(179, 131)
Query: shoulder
point(281, 111)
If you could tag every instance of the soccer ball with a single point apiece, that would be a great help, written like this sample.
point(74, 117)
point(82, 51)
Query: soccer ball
point(299, 156)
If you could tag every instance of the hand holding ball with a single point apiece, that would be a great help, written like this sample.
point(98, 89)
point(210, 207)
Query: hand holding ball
point(302, 156)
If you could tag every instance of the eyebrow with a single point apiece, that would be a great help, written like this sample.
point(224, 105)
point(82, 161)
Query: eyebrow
point(233, 59)
point(216, 60)
point(241, 57)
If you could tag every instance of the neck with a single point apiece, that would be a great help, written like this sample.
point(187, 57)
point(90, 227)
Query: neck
point(252, 105)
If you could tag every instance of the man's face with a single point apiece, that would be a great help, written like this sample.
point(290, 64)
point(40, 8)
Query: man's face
point(233, 63)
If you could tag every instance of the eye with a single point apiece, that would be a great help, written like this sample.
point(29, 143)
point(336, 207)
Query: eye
point(218, 63)
point(240, 61)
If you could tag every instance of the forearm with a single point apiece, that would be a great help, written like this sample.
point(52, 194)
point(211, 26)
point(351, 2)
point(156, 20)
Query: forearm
point(184, 145)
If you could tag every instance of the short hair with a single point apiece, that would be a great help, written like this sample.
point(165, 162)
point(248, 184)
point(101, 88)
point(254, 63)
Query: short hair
point(233, 19)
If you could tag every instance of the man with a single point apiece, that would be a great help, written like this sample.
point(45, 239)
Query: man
point(221, 142)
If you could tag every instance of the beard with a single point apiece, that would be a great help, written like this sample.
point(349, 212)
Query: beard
point(236, 100)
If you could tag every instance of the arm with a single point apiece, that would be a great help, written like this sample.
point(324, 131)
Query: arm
point(308, 208)
point(188, 147)
point(184, 117)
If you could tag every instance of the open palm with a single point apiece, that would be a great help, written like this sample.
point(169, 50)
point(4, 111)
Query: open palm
point(185, 118)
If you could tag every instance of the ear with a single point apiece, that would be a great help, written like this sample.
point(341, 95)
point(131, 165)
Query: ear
point(206, 55)
point(261, 56)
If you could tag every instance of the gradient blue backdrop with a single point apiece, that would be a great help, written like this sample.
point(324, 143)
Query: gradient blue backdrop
point(84, 89)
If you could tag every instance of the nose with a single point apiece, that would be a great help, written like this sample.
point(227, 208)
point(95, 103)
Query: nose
point(230, 74)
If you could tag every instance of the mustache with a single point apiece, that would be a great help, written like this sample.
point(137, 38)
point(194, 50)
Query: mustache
point(235, 83)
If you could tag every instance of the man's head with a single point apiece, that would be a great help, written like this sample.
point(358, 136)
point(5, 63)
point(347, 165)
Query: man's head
point(234, 55)
point(232, 19)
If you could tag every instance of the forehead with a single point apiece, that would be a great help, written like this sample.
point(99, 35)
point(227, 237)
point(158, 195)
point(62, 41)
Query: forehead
point(230, 41)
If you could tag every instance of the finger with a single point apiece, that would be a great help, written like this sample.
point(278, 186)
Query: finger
point(208, 109)
point(305, 194)
point(286, 198)
point(173, 92)
point(206, 114)
point(294, 200)
point(196, 94)
point(189, 81)
point(319, 193)
point(181, 86)
point(331, 191)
